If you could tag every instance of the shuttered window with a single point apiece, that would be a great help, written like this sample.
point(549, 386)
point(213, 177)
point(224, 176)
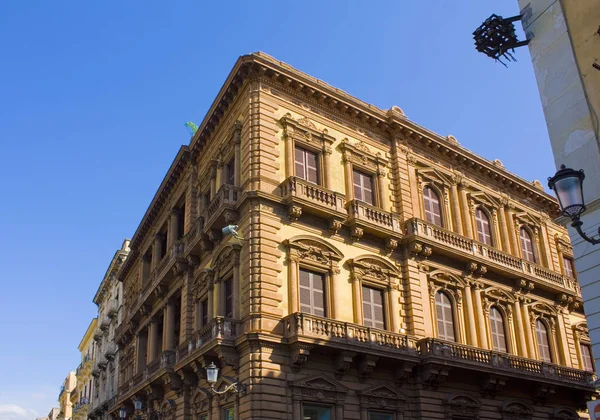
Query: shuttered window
point(569, 269)
point(312, 292)
point(527, 245)
point(433, 210)
point(445, 318)
point(586, 356)
point(363, 187)
point(484, 233)
point(307, 166)
point(228, 290)
point(373, 312)
point(230, 172)
point(541, 333)
point(498, 332)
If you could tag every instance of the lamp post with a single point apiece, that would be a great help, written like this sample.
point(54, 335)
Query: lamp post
point(212, 374)
point(568, 185)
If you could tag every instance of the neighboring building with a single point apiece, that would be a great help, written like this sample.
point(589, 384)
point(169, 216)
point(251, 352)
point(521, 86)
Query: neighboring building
point(108, 299)
point(64, 397)
point(565, 40)
point(381, 271)
point(53, 414)
point(81, 395)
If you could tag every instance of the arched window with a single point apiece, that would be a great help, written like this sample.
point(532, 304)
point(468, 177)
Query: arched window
point(541, 331)
point(445, 318)
point(498, 331)
point(433, 210)
point(527, 245)
point(484, 233)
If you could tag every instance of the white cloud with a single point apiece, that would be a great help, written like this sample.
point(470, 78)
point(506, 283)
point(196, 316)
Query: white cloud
point(14, 411)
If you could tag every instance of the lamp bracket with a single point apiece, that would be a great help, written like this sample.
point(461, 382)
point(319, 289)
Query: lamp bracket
point(577, 223)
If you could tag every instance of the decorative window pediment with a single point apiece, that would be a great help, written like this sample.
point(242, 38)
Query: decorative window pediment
point(582, 332)
point(482, 198)
point(226, 260)
point(543, 310)
point(312, 251)
point(446, 279)
point(516, 411)
point(525, 218)
point(496, 295)
point(304, 131)
point(226, 149)
point(564, 414)
point(563, 244)
point(434, 176)
point(374, 269)
point(462, 407)
point(319, 388)
point(382, 397)
point(359, 154)
point(203, 282)
point(201, 402)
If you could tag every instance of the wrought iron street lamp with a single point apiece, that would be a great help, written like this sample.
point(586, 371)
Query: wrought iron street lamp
point(212, 374)
point(568, 185)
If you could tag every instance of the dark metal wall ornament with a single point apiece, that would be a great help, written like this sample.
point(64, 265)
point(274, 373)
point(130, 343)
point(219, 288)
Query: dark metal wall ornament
point(496, 38)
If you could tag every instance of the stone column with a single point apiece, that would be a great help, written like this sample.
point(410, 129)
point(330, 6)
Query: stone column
point(563, 346)
point(293, 286)
point(296, 409)
point(213, 178)
point(327, 167)
point(211, 300)
point(531, 350)
point(349, 179)
point(235, 285)
point(483, 341)
point(168, 326)
point(383, 190)
point(142, 345)
point(395, 321)
point(173, 227)
point(456, 213)
point(464, 203)
point(553, 344)
point(470, 315)
point(503, 228)
point(357, 300)
point(237, 178)
point(156, 251)
point(152, 340)
point(289, 155)
point(522, 344)
point(514, 244)
point(218, 303)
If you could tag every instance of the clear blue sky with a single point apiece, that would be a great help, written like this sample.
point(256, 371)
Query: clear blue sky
point(93, 101)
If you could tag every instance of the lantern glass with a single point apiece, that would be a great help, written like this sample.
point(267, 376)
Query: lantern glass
point(568, 185)
point(122, 413)
point(212, 373)
point(137, 404)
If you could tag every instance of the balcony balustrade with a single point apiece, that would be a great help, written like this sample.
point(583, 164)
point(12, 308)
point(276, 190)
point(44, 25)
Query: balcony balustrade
point(446, 240)
point(313, 198)
point(219, 330)
point(221, 209)
point(110, 350)
point(460, 355)
point(373, 219)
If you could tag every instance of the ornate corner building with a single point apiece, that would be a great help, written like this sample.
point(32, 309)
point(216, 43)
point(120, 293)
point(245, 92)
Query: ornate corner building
point(381, 271)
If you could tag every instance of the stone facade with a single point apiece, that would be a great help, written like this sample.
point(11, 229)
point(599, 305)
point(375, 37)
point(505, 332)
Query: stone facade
point(81, 395)
point(381, 271)
point(108, 298)
point(64, 397)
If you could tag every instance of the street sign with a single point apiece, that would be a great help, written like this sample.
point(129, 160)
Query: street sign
point(594, 409)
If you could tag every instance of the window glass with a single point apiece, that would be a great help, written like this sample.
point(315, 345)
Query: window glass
point(229, 298)
point(204, 312)
point(586, 355)
point(541, 333)
point(527, 245)
point(498, 333)
point(316, 412)
point(431, 202)
point(312, 292)
point(569, 269)
point(363, 187)
point(229, 414)
point(373, 312)
point(445, 318)
point(306, 165)
point(373, 415)
point(484, 233)
point(230, 172)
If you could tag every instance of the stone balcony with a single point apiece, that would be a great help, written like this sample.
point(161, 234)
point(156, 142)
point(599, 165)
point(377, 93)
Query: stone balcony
point(420, 233)
point(218, 331)
point(155, 376)
point(305, 197)
point(221, 210)
point(365, 218)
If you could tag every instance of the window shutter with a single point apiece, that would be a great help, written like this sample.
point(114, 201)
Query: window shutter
point(586, 355)
point(373, 311)
point(431, 204)
point(543, 343)
point(363, 187)
point(312, 171)
point(484, 232)
point(312, 292)
point(300, 167)
point(498, 334)
point(228, 299)
point(527, 245)
point(445, 317)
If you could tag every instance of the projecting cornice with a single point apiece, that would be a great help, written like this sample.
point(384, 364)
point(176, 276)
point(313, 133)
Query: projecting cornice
point(392, 122)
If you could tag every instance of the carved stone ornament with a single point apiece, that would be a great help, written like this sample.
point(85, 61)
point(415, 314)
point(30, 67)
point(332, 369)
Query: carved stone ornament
point(313, 251)
point(462, 407)
point(366, 366)
point(360, 154)
point(382, 397)
point(299, 356)
point(420, 250)
point(564, 414)
point(228, 258)
point(294, 213)
point(374, 269)
point(391, 244)
point(201, 284)
point(334, 226)
point(516, 411)
point(342, 363)
point(318, 389)
point(356, 233)
point(303, 130)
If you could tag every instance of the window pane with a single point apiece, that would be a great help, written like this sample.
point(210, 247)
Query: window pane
point(228, 299)
point(229, 414)
point(543, 344)
point(311, 167)
point(204, 311)
point(431, 204)
point(445, 318)
point(373, 312)
point(363, 187)
point(300, 162)
point(312, 292)
point(379, 416)
point(484, 233)
point(527, 245)
point(498, 334)
point(230, 172)
point(316, 412)
point(586, 355)
point(568, 264)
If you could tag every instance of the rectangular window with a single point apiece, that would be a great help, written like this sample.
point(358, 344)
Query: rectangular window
point(586, 357)
point(181, 222)
point(230, 172)
point(306, 165)
point(316, 412)
point(375, 415)
point(569, 267)
point(204, 312)
point(363, 187)
point(203, 417)
point(373, 313)
point(228, 414)
point(228, 290)
point(312, 292)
